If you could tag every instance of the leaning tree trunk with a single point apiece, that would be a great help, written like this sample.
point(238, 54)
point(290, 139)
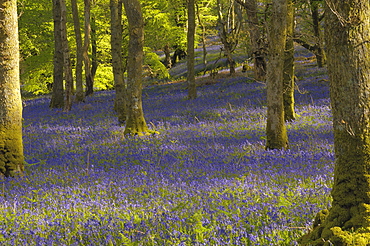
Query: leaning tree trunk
point(66, 58)
point(289, 112)
point(348, 58)
point(276, 130)
point(80, 97)
point(192, 91)
point(11, 147)
point(135, 124)
point(57, 96)
point(117, 63)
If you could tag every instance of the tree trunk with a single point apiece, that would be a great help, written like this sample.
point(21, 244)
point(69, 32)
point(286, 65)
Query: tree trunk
point(88, 76)
point(289, 112)
point(57, 97)
point(192, 88)
point(319, 51)
point(227, 41)
point(167, 59)
point(135, 124)
point(258, 45)
point(348, 52)
point(94, 49)
point(276, 130)
point(204, 46)
point(11, 146)
point(80, 97)
point(117, 63)
point(67, 66)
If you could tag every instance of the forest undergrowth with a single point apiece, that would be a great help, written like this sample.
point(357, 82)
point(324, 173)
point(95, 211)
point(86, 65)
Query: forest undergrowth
point(206, 179)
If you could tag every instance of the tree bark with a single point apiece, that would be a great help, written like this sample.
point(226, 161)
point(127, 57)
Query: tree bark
point(348, 58)
point(117, 62)
point(135, 124)
point(57, 97)
point(258, 44)
point(276, 130)
point(80, 96)
point(67, 66)
point(228, 42)
point(88, 75)
point(289, 112)
point(319, 51)
point(192, 88)
point(11, 146)
point(204, 46)
point(94, 49)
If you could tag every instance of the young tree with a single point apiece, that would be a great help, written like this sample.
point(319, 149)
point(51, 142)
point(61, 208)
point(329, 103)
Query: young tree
point(135, 124)
point(88, 75)
point(347, 222)
point(11, 147)
point(80, 97)
point(276, 130)
point(67, 66)
point(117, 62)
point(288, 78)
point(192, 91)
point(57, 97)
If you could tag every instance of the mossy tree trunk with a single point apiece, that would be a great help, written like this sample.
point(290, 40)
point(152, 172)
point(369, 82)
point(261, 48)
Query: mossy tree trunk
point(192, 91)
point(276, 132)
point(117, 61)
point(289, 112)
point(135, 124)
point(348, 57)
point(11, 147)
point(80, 96)
point(57, 96)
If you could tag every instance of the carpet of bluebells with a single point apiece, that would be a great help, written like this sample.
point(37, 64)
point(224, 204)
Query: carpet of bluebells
point(206, 179)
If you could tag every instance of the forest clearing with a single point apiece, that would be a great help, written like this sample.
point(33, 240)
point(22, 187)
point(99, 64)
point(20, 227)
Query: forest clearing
point(206, 179)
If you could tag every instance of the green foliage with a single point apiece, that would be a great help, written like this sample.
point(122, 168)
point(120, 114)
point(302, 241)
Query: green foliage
point(164, 23)
point(36, 46)
point(155, 66)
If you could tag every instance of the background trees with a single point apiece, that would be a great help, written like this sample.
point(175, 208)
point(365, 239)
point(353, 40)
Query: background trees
point(11, 147)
